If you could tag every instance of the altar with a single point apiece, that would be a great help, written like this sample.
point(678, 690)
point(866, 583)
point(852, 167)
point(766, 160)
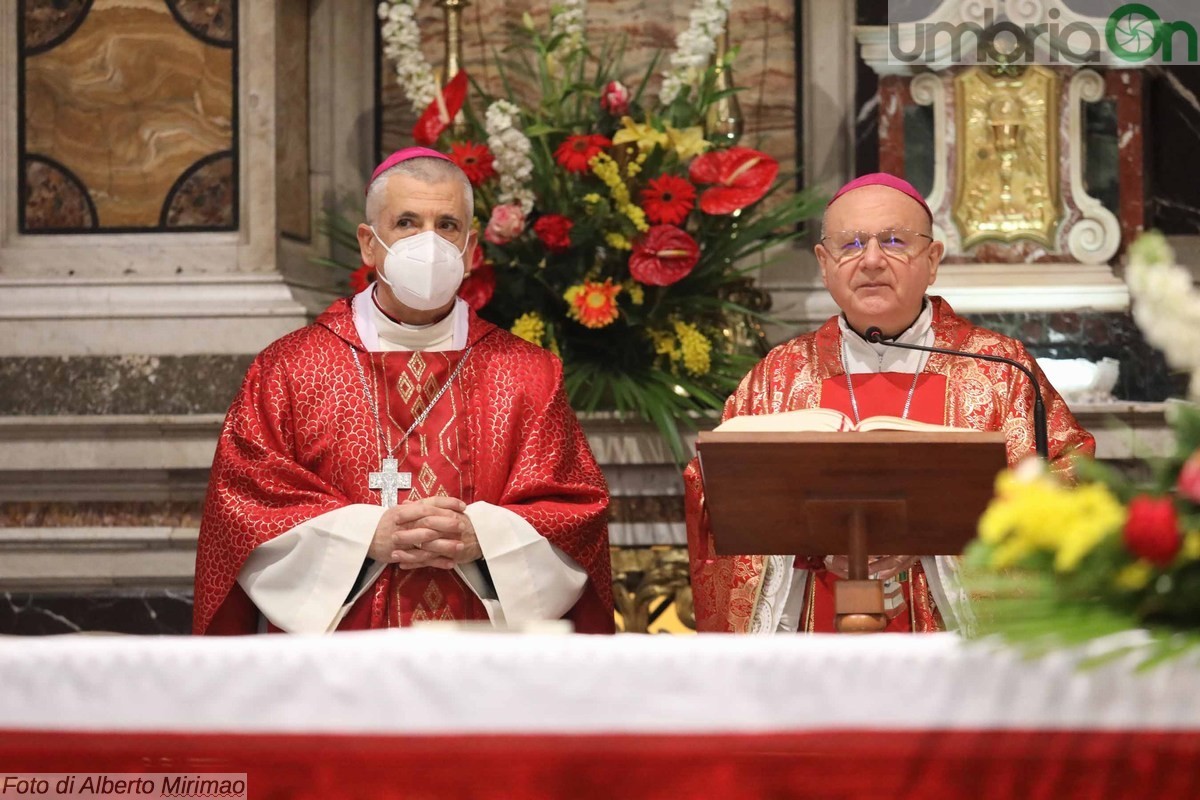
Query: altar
point(444, 714)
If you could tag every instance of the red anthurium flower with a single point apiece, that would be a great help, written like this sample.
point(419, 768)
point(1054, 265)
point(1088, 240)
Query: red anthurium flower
point(576, 151)
point(555, 231)
point(441, 111)
point(361, 278)
point(663, 256)
point(1189, 478)
point(475, 160)
point(739, 176)
point(1152, 529)
point(479, 285)
point(668, 199)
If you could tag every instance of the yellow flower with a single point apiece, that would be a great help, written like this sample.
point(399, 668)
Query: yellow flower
point(695, 348)
point(604, 168)
point(1191, 546)
point(664, 344)
point(591, 197)
point(617, 241)
point(593, 305)
point(645, 135)
point(1135, 576)
point(636, 215)
point(689, 142)
point(1044, 515)
point(530, 327)
point(637, 295)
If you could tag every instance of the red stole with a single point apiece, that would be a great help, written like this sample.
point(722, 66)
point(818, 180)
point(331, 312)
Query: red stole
point(404, 383)
point(881, 394)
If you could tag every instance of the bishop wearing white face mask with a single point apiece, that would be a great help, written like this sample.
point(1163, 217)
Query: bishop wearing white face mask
point(402, 459)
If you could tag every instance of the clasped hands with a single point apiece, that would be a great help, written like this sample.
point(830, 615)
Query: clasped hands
point(878, 567)
point(432, 532)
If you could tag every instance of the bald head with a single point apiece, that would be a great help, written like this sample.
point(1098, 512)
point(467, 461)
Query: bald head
point(875, 207)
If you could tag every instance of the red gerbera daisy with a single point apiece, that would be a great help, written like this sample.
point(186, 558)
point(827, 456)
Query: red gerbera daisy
point(666, 254)
point(475, 160)
point(668, 199)
point(576, 151)
point(740, 176)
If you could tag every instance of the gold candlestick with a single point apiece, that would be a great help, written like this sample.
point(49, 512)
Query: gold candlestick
point(723, 123)
point(452, 58)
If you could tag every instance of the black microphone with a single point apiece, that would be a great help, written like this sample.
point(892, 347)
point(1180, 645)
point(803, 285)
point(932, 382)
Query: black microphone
point(1040, 435)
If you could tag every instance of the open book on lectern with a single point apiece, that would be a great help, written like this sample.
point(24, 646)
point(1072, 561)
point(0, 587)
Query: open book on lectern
point(824, 420)
point(771, 490)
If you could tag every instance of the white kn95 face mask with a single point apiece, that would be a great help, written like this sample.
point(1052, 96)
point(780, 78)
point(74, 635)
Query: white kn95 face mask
point(423, 270)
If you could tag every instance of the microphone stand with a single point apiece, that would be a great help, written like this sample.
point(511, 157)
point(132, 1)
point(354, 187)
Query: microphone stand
point(1040, 435)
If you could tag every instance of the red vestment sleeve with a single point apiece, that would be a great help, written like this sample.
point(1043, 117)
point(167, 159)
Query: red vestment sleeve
point(554, 483)
point(257, 491)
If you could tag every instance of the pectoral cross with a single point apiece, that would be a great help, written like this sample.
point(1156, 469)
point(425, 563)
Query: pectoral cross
point(388, 481)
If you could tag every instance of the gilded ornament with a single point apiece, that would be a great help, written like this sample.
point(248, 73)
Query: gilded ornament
point(1007, 187)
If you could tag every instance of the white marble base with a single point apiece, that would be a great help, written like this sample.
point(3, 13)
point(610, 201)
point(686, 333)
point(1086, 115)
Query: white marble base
point(145, 316)
point(97, 558)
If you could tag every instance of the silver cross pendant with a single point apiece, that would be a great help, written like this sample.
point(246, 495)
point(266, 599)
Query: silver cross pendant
point(388, 481)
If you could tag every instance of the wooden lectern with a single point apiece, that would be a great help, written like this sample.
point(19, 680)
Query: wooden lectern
point(857, 493)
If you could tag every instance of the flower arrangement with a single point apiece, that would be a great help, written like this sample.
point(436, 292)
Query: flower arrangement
point(1057, 562)
point(615, 232)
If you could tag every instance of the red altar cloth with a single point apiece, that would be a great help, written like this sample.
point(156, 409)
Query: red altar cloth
point(896, 764)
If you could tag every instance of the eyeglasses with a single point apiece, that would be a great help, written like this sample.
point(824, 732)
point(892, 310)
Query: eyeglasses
point(898, 243)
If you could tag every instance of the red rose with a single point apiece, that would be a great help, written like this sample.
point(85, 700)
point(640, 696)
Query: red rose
point(663, 256)
point(479, 286)
point(1188, 485)
point(361, 278)
point(575, 152)
point(555, 231)
point(1152, 529)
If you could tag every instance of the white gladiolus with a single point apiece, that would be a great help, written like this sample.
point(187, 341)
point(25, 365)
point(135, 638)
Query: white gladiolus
point(510, 147)
point(694, 48)
point(568, 19)
point(402, 44)
point(1166, 304)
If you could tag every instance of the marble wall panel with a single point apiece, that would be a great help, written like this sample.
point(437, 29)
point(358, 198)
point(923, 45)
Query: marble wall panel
point(292, 120)
point(200, 384)
point(765, 68)
point(131, 611)
point(134, 101)
point(1094, 335)
point(100, 514)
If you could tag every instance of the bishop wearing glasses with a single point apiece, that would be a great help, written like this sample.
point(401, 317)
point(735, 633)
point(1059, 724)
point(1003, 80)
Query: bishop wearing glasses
point(878, 259)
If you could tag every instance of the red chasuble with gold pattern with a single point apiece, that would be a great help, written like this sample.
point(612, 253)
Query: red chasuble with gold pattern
point(806, 372)
point(300, 440)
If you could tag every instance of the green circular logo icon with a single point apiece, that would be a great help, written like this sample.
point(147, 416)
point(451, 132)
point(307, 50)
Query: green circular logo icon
point(1133, 31)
